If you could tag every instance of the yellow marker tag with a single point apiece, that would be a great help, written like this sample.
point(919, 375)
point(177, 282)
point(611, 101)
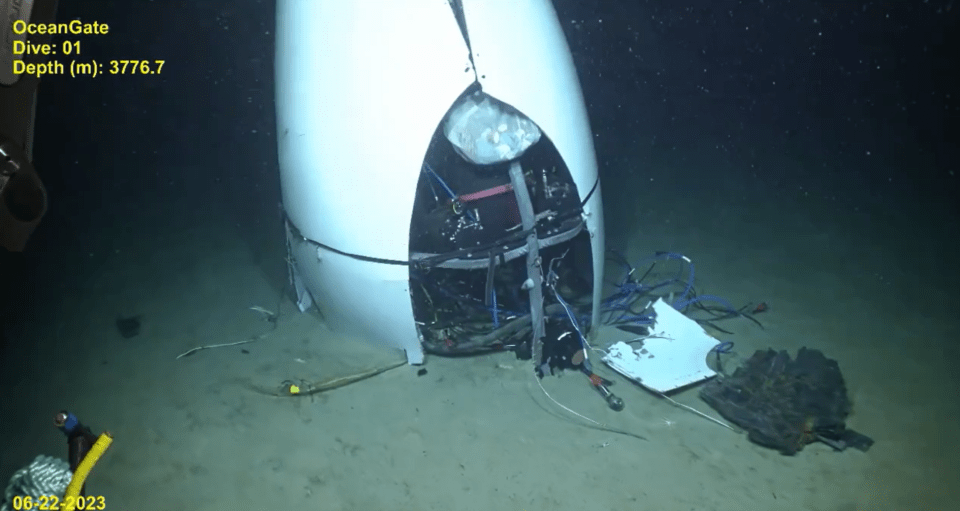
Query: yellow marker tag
point(294, 389)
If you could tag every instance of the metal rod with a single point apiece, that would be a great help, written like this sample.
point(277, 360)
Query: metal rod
point(528, 219)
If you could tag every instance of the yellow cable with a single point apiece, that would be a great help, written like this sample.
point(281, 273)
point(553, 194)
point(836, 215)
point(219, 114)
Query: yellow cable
point(83, 470)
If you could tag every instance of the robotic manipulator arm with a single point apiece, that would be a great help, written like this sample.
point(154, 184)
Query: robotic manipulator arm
point(23, 199)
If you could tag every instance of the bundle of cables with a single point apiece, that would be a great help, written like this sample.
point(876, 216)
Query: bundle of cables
point(629, 306)
point(465, 324)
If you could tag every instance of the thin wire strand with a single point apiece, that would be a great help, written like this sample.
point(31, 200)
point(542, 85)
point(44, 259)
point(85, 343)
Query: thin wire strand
point(584, 417)
point(698, 412)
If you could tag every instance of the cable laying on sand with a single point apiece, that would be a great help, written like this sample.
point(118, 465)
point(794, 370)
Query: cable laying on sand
point(304, 388)
point(268, 316)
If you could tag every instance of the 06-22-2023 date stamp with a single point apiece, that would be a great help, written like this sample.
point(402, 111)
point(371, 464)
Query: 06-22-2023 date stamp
point(65, 56)
point(54, 503)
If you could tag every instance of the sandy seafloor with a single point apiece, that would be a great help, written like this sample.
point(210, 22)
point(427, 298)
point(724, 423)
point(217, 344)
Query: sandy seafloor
point(868, 288)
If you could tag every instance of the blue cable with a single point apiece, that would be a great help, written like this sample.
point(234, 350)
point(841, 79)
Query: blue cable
point(689, 288)
point(618, 302)
point(709, 298)
point(452, 195)
point(723, 348)
point(656, 257)
point(439, 180)
point(686, 292)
